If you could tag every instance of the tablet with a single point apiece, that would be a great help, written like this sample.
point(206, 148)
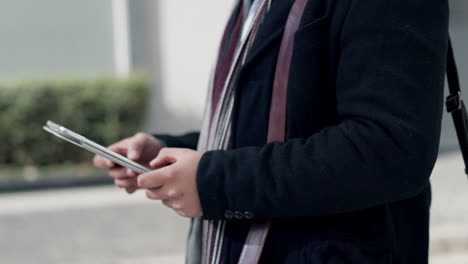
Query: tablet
point(93, 147)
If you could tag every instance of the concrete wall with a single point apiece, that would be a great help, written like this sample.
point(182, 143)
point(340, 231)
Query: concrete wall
point(176, 41)
point(46, 37)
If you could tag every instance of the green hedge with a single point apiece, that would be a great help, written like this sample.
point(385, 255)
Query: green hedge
point(104, 109)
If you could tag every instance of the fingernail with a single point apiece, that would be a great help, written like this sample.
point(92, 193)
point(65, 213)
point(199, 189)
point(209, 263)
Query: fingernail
point(129, 172)
point(109, 163)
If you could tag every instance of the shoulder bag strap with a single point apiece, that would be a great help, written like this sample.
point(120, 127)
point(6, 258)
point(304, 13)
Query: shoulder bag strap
point(258, 232)
point(455, 105)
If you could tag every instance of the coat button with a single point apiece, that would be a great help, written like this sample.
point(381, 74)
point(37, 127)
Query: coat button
point(248, 215)
point(238, 215)
point(228, 214)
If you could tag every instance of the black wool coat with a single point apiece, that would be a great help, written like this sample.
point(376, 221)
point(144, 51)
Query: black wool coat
point(364, 108)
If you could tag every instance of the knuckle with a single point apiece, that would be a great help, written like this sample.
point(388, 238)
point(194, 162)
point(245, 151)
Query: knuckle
point(128, 172)
point(139, 137)
point(175, 206)
point(173, 193)
point(139, 134)
point(178, 206)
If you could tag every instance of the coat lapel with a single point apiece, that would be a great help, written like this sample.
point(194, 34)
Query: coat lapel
point(271, 28)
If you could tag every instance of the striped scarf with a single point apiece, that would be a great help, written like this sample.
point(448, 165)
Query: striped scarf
point(205, 242)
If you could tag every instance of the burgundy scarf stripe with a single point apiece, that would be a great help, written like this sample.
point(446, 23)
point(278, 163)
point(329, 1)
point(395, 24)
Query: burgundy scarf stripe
point(223, 65)
point(216, 132)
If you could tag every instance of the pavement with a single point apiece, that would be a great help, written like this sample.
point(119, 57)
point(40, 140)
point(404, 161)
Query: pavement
point(89, 225)
point(104, 225)
point(449, 211)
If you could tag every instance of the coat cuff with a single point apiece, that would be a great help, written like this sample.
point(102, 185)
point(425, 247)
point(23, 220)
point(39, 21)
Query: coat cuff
point(210, 188)
point(168, 141)
point(189, 140)
point(221, 198)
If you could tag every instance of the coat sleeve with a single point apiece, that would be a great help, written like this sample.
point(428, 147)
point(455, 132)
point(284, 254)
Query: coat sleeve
point(389, 93)
point(189, 140)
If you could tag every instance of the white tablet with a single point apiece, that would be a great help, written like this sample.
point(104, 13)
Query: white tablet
point(93, 147)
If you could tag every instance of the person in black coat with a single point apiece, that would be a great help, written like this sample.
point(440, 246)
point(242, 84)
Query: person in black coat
point(364, 109)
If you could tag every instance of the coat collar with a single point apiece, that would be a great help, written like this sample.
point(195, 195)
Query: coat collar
point(271, 28)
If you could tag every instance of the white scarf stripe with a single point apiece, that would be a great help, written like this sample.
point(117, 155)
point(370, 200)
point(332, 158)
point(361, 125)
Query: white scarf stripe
point(215, 134)
point(222, 125)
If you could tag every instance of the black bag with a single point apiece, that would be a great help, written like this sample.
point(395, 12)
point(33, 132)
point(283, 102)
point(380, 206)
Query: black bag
point(455, 105)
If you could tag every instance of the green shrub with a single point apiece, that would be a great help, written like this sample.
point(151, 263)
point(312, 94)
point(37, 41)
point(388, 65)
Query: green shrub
point(103, 109)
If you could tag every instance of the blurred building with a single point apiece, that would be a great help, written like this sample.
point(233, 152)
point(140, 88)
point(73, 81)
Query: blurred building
point(41, 38)
point(175, 41)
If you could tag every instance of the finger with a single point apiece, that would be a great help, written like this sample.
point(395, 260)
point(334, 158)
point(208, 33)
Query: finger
point(118, 173)
point(165, 193)
point(165, 156)
point(131, 190)
point(155, 194)
point(155, 178)
point(126, 183)
point(118, 147)
point(131, 173)
point(136, 146)
point(102, 162)
point(167, 203)
point(174, 204)
point(181, 213)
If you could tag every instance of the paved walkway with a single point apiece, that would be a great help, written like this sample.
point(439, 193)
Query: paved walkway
point(92, 225)
point(105, 225)
point(449, 214)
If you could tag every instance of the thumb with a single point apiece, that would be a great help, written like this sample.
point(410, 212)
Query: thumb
point(165, 156)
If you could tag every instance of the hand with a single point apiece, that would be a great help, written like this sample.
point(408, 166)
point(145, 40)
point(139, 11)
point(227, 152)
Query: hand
point(175, 184)
point(141, 148)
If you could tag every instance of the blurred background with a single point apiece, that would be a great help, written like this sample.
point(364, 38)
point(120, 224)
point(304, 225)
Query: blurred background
point(108, 69)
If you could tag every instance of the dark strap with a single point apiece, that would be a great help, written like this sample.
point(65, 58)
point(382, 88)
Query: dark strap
point(258, 232)
point(455, 105)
